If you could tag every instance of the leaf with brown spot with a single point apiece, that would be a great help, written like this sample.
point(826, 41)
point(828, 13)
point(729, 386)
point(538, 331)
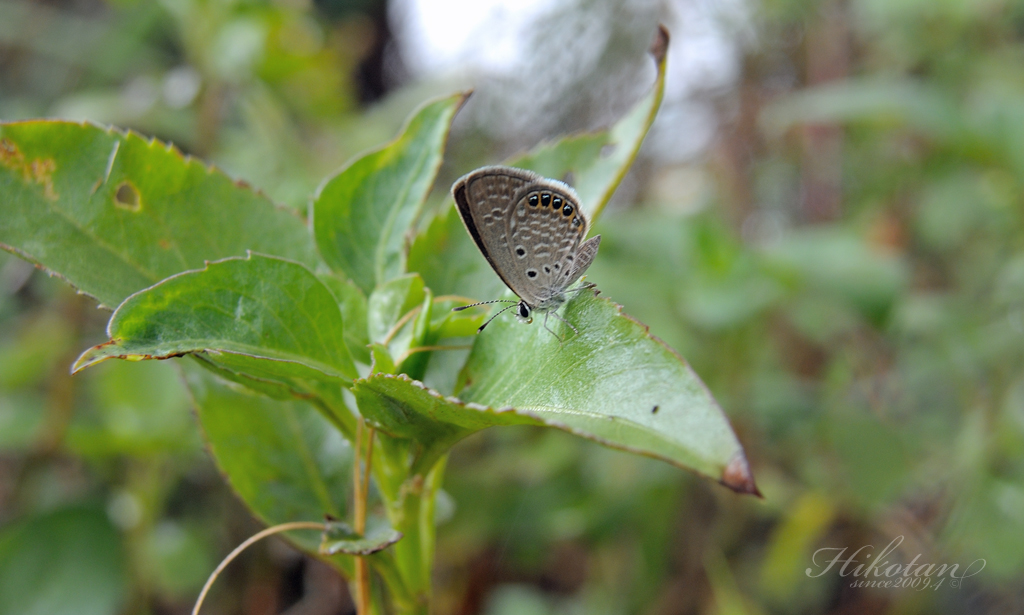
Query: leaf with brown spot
point(113, 213)
point(38, 171)
point(600, 385)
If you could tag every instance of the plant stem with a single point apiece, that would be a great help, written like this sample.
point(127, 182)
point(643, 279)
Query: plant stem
point(360, 492)
point(358, 505)
point(370, 432)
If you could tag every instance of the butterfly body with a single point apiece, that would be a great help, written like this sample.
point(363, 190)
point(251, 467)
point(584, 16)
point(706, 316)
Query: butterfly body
point(531, 230)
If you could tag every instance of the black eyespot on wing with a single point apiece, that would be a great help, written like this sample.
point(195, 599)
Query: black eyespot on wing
point(567, 210)
point(545, 199)
point(532, 273)
point(576, 221)
point(557, 202)
point(557, 266)
point(547, 269)
point(520, 251)
point(534, 199)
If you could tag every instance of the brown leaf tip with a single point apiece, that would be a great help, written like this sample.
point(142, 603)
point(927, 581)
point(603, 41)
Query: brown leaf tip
point(660, 45)
point(737, 476)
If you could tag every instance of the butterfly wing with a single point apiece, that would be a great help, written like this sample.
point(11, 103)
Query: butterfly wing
point(545, 228)
point(580, 261)
point(528, 228)
point(484, 198)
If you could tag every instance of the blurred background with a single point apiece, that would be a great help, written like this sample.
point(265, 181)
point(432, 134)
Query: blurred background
point(825, 220)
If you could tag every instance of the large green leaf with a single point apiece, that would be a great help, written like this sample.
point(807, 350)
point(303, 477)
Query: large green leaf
point(281, 457)
point(613, 383)
point(257, 307)
point(262, 317)
point(362, 215)
point(113, 213)
point(445, 255)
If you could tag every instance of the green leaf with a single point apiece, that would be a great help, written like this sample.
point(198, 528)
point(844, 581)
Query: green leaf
point(392, 301)
point(445, 255)
point(419, 335)
point(341, 538)
point(382, 360)
point(614, 383)
point(261, 314)
point(362, 215)
point(283, 459)
point(113, 213)
point(353, 305)
point(67, 562)
point(260, 321)
point(406, 409)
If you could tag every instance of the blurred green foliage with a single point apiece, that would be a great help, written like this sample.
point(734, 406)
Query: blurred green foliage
point(849, 283)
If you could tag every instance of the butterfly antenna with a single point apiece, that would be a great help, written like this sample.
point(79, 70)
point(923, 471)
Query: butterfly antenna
point(466, 307)
point(500, 312)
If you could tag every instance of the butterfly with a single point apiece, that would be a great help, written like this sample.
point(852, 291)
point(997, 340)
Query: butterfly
point(530, 229)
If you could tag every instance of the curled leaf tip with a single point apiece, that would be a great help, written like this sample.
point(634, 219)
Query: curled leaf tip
point(737, 476)
point(92, 356)
point(339, 537)
point(660, 45)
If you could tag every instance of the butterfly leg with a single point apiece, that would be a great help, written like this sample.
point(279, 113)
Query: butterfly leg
point(582, 287)
point(559, 337)
point(555, 314)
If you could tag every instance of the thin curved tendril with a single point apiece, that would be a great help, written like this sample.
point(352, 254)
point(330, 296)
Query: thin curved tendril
point(277, 529)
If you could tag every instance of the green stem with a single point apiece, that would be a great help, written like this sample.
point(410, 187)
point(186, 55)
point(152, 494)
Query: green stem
point(407, 569)
point(409, 553)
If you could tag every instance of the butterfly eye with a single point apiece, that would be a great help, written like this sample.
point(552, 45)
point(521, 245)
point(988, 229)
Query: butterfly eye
point(534, 199)
point(524, 310)
point(545, 199)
